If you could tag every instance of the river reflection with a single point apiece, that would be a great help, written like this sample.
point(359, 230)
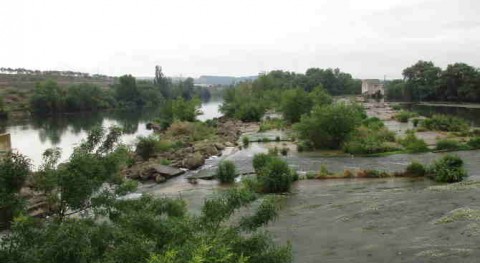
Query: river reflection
point(32, 136)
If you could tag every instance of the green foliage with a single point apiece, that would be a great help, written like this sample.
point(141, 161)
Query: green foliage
point(148, 146)
point(271, 124)
point(77, 184)
point(295, 103)
point(449, 145)
point(415, 169)
point(226, 172)
point(14, 169)
point(404, 116)
point(246, 141)
point(152, 230)
point(371, 137)
point(126, 91)
point(260, 161)
point(474, 143)
point(47, 98)
point(445, 123)
point(189, 131)
point(425, 81)
point(241, 103)
point(275, 176)
point(329, 126)
point(412, 144)
point(448, 169)
point(87, 97)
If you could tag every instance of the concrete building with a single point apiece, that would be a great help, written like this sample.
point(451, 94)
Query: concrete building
point(372, 87)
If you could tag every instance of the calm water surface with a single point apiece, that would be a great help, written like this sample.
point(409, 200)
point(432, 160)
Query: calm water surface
point(32, 136)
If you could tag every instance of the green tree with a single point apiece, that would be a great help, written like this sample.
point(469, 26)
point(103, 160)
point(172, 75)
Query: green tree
point(14, 169)
point(329, 126)
point(127, 91)
point(421, 80)
point(48, 97)
point(295, 103)
point(77, 184)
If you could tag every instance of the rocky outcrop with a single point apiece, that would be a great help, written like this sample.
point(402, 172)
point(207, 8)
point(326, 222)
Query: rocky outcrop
point(152, 171)
point(193, 161)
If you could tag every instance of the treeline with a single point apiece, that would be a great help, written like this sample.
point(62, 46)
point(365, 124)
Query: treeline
point(67, 73)
point(424, 81)
point(288, 92)
point(49, 97)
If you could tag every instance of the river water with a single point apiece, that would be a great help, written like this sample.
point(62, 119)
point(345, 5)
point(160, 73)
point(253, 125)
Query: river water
point(32, 136)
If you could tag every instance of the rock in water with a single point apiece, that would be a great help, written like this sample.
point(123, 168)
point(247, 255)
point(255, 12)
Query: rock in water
point(193, 161)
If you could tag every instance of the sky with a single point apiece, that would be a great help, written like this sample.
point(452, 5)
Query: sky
point(367, 38)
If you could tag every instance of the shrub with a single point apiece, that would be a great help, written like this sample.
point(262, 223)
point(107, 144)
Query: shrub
point(271, 124)
point(396, 107)
point(226, 172)
point(404, 116)
point(415, 122)
point(449, 145)
point(474, 143)
point(295, 103)
point(329, 126)
point(276, 176)
point(260, 161)
point(147, 147)
point(273, 151)
point(448, 169)
point(413, 144)
point(445, 123)
point(284, 151)
point(246, 141)
point(415, 169)
point(190, 131)
point(366, 140)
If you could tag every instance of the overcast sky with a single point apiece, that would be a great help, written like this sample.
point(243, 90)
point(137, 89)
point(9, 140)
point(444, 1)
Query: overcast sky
point(368, 38)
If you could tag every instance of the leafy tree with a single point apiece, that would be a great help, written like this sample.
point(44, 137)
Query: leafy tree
point(48, 97)
point(162, 82)
point(87, 97)
point(127, 91)
point(421, 80)
point(152, 230)
point(77, 184)
point(14, 169)
point(295, 103)
point(328, 126)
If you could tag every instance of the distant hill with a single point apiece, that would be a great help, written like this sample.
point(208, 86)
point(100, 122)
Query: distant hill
point(221, 80)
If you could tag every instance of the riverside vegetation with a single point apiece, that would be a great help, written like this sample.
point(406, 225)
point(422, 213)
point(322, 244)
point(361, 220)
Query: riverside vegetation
point(92, 218)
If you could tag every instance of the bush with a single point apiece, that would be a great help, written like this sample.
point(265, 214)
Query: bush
point(284, 151)
point(329, 126)
point(295, 103)
point(370, 139)
point(404, 116)
point(271, 124)
point(449, 145)
point(445, 123)
point(415, 169)
point(226, 172)
point(448, 169)
point(275, 176)
point(190, 131)
point(246, 141)
point(147, 147)
point(415, 122)
point(413, 144)
point(474, 143)
point(260, 161)
point(396, 107)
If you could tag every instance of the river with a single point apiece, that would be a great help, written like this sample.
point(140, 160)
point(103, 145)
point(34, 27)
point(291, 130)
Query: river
point(32, 136)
